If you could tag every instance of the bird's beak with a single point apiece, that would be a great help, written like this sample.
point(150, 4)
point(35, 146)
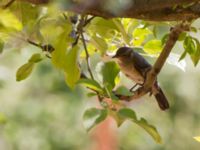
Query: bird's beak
point(114, 56)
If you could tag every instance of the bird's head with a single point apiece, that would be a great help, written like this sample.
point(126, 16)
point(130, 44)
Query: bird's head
point(123, 52)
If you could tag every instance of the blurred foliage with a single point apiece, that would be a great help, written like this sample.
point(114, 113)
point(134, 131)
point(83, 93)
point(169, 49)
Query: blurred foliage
point(45, 113)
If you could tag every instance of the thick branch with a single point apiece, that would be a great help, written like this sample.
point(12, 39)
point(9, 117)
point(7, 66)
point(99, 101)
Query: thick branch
point(153, 10)
point(152, 74)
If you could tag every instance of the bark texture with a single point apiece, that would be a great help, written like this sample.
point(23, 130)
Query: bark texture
point(154, 10)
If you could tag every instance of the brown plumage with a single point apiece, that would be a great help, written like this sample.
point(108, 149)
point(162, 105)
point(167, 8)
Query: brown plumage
point(135, 67)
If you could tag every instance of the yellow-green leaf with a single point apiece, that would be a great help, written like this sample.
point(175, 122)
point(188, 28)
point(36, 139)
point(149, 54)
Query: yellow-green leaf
point(3, 118)
point(35, 58)
point(9, 20)
point(93, 116)
point(139, 35)
point(153, 47)
point(127, 113)
point(197, 138)
point(24, 71)
point(110, 72)
point(92, 84)
point(121, 28)
point(99, 43)
point(71, 67)
point(59, 54)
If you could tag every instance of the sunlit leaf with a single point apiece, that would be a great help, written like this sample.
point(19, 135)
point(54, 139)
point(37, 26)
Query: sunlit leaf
point(93, 116)
point(140, 35)
point(35, 58)
point(197, 138)
point(153, 47)
point(92, 84)
point(59, 55)
point(99, 43)
point(24, 71)
point(121, 28)
point(130, 114)
point(104, 27)
point(9, 20)
point(71, 67)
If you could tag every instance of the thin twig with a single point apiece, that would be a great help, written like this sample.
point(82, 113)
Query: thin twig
point(87, 56)
point(8, 4)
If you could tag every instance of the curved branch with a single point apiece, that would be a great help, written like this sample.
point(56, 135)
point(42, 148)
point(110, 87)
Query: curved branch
point(154, 10)
point(152, 74)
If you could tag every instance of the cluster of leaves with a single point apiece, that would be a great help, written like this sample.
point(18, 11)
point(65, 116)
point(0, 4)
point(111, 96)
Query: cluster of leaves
point(62, 30)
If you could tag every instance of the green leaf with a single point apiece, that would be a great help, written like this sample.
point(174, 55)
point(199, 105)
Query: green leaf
point(1, 46)
point(104, 27)
point(119, 120)
point(153, 47)
point(92, 84)
point(164, 38)
point(197, 138)
point(183, 55)
point(123, 91)
point(91, 94)
point(93, 116)
point(182, 36)
point(9, 21)
point(121, 28)
point(140, 35)
point(3, 119)
point(110, 71)
point(192, 47)
point(150, 129)
point(108, 91)
point(59, 54)
point(99, 43)
point(196, 56)
point(24, 71)
point(35, 58)
point(71, 67)
point(189, 45)
point(127, 113)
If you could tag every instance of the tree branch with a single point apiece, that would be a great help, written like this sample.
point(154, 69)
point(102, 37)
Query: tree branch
point(152, 74)
point(153, 10)
point(8, 4)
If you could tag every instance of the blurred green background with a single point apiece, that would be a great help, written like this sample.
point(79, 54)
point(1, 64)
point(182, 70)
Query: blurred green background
point(42, 113)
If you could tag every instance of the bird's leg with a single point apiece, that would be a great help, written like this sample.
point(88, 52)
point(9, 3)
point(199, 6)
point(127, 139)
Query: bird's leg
point(132, 89)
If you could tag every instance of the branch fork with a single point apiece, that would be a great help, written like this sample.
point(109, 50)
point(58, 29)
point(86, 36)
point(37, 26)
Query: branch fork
point(155, 70)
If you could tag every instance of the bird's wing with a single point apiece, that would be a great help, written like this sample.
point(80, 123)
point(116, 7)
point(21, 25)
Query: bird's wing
point(140, 63)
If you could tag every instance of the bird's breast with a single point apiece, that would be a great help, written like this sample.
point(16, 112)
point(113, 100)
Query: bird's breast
point(130, 71)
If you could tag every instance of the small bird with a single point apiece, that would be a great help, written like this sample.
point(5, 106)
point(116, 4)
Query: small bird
point(135, 67)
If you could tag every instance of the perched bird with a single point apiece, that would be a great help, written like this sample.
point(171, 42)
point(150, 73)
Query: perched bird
point(135, 67)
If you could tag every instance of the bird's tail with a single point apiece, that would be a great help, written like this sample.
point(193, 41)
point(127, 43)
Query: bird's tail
point(161, 99)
